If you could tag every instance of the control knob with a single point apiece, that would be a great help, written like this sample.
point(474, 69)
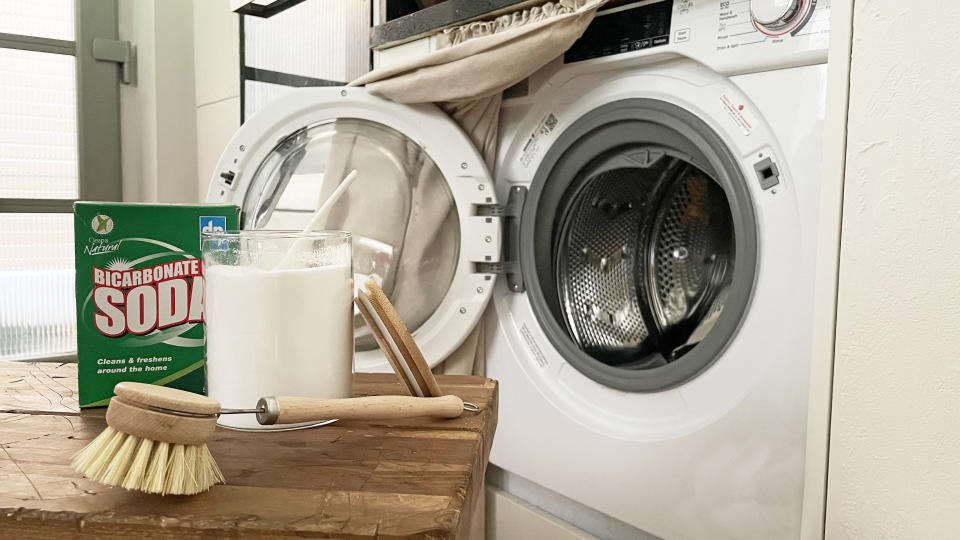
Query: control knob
point(774, 14)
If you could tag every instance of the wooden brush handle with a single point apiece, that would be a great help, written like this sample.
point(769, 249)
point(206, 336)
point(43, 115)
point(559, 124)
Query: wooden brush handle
point(291, 410)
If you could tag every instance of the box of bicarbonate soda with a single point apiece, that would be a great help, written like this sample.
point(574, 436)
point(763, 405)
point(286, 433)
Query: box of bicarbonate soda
point(140, 294)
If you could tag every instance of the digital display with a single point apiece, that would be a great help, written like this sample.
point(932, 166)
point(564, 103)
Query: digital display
point(623, 30)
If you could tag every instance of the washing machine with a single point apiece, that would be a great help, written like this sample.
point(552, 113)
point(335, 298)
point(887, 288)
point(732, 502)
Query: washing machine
point(644, 255)
point(653, 350)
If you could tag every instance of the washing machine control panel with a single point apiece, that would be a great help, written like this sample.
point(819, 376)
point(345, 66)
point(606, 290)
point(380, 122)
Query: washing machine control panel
point(779, 25)
point(730, 36)
point(623, 29)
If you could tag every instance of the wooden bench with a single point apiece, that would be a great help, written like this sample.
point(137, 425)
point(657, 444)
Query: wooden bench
point(415, 478)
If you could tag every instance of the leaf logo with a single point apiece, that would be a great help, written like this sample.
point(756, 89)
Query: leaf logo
point(102, 224)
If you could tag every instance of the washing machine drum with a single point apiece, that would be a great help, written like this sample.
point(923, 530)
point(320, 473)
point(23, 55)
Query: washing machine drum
point(642, 261)
point(638, 245)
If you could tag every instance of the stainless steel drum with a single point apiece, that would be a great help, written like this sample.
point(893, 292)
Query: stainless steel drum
point(643, 259)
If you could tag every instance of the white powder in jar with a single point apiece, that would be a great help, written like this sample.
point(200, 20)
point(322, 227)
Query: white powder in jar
point(277, 333)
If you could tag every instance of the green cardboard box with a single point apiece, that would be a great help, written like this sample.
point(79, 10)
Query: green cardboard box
point(140, 294)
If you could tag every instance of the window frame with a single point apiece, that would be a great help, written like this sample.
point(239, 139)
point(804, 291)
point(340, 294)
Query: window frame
point(98, 108)
point(249, 73)
point(98, 117)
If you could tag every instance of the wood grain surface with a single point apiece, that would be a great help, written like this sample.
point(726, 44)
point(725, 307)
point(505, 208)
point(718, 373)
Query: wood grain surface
point(407, 478)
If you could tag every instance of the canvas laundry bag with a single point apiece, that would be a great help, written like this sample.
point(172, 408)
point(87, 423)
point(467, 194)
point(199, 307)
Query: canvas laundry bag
point(466, 76)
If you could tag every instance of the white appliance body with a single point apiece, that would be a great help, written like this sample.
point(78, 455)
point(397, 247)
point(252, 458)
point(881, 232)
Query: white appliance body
point(722, 454)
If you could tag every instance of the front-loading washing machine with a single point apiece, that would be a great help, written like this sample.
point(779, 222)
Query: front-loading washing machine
point(648, 244)
point(655, 368)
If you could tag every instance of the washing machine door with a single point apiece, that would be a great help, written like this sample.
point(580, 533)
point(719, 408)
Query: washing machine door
point(420, 210)
point(638, 245)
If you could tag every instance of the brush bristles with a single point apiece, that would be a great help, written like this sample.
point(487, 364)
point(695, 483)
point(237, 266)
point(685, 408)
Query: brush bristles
point(118, 459)
point(174, 481)
point(153, 481)
point(138, 467)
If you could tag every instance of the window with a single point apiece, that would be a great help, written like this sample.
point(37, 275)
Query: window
point(308, 43)
point(59, 142)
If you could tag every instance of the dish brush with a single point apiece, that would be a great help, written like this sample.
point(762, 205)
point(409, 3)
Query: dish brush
point(155, 440)
point(147, 450)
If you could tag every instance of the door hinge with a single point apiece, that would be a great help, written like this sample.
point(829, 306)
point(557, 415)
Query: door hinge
point(509, 265)
point(121, 52)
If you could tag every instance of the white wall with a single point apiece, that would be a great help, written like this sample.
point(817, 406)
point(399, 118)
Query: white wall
point(894, 468)
point(185, 105)
point(157, 115)
point(216, 38)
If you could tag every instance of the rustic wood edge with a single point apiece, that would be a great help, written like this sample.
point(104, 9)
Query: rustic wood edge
point(69, 524)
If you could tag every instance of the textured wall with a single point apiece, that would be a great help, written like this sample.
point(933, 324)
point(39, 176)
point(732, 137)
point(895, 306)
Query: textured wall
point(895, 441)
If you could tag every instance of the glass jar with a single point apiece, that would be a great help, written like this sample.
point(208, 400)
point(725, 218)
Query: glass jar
point(278, 317)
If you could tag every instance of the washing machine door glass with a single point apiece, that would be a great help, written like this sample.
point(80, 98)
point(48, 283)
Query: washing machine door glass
point(638, 245)
point(401, 212)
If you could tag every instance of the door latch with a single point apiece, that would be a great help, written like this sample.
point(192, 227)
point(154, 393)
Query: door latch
point(121, 52)
point(509, 265)
point(767, 173)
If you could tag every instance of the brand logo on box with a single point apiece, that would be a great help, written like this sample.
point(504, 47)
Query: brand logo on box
point(102, 224)
point(213, 224)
